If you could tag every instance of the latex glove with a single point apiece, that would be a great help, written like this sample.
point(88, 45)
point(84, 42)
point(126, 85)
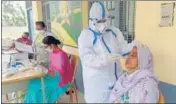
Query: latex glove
point(116, 55)
point(122, 63)
point(113, 57)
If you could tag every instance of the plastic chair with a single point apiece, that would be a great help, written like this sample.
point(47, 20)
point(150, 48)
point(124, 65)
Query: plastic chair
point(161, 99)
point(73, 87)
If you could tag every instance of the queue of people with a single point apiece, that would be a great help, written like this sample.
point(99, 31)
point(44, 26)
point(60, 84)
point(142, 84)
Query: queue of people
point(100, 48)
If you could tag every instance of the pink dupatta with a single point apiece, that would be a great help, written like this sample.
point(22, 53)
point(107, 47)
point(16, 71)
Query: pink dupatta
point(60, 62)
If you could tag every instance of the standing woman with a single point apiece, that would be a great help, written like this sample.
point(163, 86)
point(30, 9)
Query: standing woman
point(59, 76)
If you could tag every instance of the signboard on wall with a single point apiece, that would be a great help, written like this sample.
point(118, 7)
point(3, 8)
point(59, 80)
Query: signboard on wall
point(167, 14)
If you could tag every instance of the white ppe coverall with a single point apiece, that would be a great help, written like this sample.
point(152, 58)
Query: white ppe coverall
point(100, 70)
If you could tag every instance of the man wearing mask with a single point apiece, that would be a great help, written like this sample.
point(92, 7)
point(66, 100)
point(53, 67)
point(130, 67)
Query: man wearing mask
point(25, 39)
point(41, 33)
point(100, 46)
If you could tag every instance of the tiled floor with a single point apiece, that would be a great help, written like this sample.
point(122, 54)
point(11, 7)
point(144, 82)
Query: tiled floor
point(65, 98)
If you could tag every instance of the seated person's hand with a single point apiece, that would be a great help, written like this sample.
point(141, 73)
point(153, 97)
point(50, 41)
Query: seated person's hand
point(43, 64)
point(12, 46)
point(51, 73)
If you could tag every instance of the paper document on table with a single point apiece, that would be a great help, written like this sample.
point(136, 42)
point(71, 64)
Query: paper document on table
point(5, 58)
point(21, 56)
point(10, 52)
point(23, 47)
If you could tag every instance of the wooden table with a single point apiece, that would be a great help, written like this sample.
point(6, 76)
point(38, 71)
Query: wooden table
point(19, 81)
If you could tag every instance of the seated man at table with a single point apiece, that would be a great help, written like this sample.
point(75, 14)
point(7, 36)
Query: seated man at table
point(25, 39)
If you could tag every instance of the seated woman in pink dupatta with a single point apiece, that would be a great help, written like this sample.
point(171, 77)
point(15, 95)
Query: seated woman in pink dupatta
point(58, 61)
point(137, 84)
point(58, 79)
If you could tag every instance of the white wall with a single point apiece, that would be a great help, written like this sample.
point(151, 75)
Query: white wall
point(161, 40)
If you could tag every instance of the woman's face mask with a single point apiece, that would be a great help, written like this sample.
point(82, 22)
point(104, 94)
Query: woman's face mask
point(48, 48)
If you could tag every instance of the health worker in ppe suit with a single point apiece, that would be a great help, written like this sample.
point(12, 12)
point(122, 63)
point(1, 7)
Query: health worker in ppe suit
point(99, 48)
